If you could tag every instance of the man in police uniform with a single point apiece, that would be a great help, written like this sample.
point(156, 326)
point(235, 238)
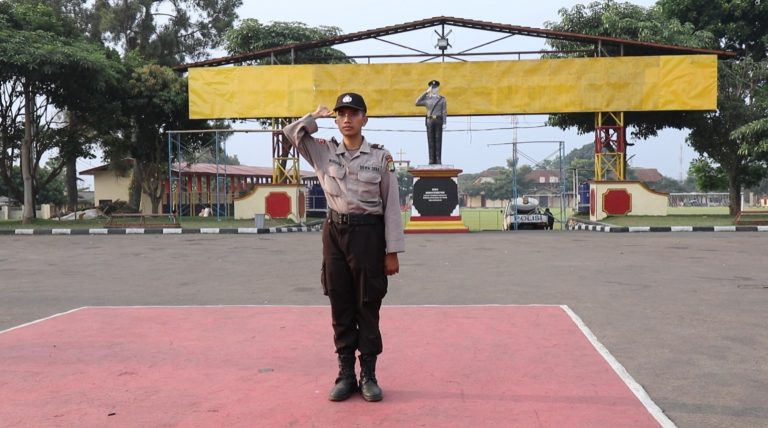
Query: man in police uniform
point(361, 236)
point(437, 111)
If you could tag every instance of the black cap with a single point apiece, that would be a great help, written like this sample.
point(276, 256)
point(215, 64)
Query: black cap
point(434, 83)
point(351, 99)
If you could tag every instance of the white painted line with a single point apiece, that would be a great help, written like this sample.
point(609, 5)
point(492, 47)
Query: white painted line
point(41, 320)
point(213, 230)
point(25, 231)
point(172, 231)
point(61, 231)
point(762, 228)
point(135, 231)
point(97, 231)
point(725, 228)
point(681, 228)
point(639, 229)
point(635, 387)
point(247, 230)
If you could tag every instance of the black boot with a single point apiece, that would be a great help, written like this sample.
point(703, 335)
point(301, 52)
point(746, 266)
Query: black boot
point(368, 385)
point(346, 383)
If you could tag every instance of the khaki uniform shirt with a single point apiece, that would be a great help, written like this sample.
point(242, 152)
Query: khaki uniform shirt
point(437, 107)
point(353, 184)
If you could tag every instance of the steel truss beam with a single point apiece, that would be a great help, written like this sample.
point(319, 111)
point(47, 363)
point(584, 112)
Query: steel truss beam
point(610, 146)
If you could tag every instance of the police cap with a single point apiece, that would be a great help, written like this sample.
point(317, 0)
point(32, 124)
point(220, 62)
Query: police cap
point(433, 83)
point(351, 99)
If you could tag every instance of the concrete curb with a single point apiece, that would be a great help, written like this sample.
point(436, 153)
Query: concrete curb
point(623, 229)
point(161, 231)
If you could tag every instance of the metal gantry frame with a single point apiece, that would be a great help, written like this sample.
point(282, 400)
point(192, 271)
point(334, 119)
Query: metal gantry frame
point(285, 157)
point(610, 146)
point(175, 140)
point(176, 137)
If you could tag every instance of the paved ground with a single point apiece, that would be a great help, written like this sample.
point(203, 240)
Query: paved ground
point(685, 313)
point(269, 366)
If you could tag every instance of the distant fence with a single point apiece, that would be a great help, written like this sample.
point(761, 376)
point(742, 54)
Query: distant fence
point(695, 199)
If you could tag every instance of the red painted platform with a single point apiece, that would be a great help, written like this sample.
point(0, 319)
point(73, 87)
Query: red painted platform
point(462, 366)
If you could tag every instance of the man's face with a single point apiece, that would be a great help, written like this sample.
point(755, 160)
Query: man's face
point(350, 121)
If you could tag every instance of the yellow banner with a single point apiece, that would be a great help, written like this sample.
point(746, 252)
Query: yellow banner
point(650, 83)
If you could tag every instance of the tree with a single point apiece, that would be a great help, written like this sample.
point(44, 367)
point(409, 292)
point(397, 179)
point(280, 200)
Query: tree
point(669, 185)
point(156, 101)
point(80, 130)
point(501, 187)
point(732, 141)
point(739, 160)
point(168, 32)
point(708, 176)
point(687, 23)
point(42, 60)
point(251, 35)
point(50, 194)
point(739, 25)
point(164, 33)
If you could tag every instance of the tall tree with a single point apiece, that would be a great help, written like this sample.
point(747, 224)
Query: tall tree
point(166, 33)
point(156, 101)
point(663, 24)
point(740, 161)
point(79, 133)
point(43, 60)
point(738, 25)
point(251, 35)
point(732, 141)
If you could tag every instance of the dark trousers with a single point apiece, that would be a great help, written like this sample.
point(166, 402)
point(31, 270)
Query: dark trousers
point(435, 139)
point(353, 279)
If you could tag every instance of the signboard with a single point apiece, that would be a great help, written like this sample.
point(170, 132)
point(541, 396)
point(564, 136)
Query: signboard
point(435, 196)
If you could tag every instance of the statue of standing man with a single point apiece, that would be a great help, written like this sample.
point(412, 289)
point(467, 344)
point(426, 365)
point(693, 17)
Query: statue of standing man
point(436, 118)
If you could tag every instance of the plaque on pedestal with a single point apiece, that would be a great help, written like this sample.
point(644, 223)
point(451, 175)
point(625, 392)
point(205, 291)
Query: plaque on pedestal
point(435, 201)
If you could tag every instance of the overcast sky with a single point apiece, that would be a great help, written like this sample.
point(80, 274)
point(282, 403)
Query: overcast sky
point(466, 142)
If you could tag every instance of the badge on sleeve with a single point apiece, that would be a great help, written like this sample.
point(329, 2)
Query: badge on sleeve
point(390, 163)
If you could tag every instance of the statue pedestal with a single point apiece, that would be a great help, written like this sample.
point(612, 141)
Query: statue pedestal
point(435, 200)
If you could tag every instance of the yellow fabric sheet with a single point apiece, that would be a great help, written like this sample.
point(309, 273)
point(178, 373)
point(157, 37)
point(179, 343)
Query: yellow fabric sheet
point(651, 83)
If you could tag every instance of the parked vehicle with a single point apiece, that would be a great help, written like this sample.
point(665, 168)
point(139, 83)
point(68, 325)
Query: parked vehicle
point(524, 213)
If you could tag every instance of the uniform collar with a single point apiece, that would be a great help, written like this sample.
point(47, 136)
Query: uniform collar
point(364, 148)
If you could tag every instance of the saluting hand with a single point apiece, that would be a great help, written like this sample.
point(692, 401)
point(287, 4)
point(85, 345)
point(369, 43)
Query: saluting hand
point(322, 111)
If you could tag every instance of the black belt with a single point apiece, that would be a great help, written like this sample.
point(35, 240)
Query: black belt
point(355, 219)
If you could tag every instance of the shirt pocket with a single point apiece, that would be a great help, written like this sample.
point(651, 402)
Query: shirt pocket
point(369, 185)
point(334, 180)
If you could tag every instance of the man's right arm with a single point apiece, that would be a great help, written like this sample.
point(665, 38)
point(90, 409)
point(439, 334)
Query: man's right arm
point(422, 100)
point(299, 133)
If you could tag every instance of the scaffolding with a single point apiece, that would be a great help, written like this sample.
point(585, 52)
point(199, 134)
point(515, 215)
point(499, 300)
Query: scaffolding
point(187, 190)
point(610, 146)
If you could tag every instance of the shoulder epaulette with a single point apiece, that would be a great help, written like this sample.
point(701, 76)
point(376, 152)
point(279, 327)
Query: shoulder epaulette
point(377, 146)
point(335, 143)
